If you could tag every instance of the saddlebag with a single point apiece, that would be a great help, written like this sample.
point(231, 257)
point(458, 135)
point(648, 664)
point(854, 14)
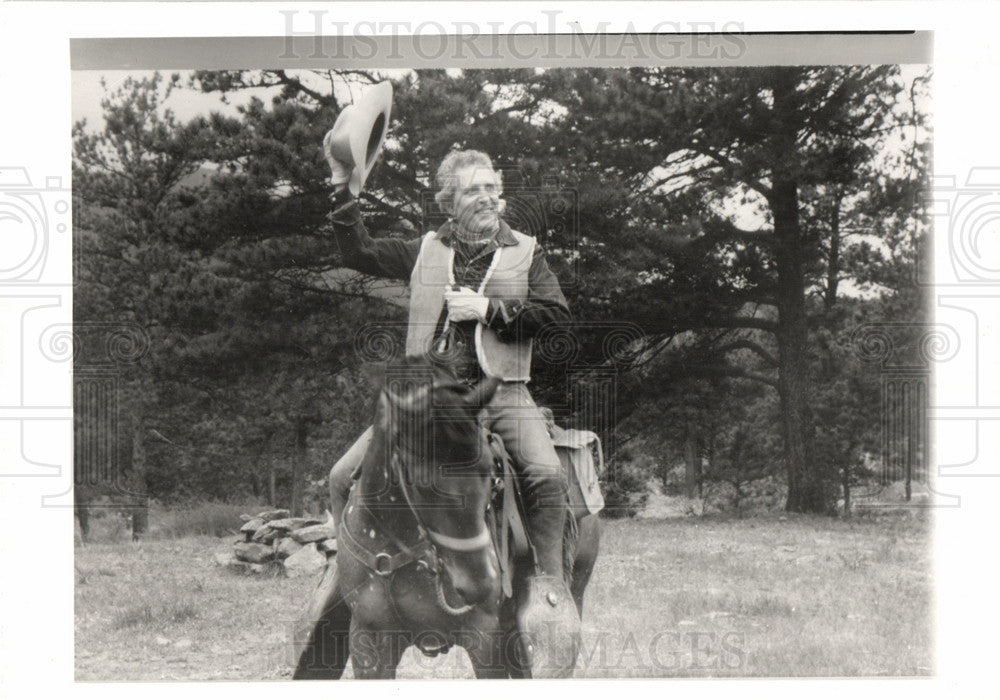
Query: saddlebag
point(583, 461)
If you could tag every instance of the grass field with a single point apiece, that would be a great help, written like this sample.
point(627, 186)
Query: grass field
point(689, 597)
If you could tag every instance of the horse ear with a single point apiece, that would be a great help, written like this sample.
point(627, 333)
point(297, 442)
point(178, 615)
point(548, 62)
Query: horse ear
point(482, 393)
point(416, 399)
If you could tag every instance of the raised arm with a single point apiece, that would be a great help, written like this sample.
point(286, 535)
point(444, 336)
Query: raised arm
point(380, 257)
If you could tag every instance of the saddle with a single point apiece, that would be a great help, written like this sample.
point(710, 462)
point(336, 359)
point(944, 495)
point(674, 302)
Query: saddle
point(507, 527)
point(576, 450)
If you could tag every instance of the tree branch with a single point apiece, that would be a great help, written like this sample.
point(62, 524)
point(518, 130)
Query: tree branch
point(284, 79)
point(746, 344)
point(518, 107)
point(761, 324)
point(756, 295)
point(734, 372)
point(733, 168)
point(719, 229)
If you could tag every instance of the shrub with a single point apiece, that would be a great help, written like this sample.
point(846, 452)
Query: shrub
point(763, 494)
point(211, 518)
point(625, 491)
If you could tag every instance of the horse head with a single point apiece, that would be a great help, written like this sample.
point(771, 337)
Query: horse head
point(442, 459)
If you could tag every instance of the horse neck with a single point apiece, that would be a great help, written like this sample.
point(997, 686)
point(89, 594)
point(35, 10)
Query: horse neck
point(379, 488)
point(376, 485)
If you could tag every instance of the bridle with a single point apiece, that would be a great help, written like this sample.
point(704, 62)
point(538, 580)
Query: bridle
point(385, 564)
point(455, 544)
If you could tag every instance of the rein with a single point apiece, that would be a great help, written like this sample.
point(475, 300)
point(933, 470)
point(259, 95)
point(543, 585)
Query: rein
point(458, 544)
point(455, 544)
point(385, 564)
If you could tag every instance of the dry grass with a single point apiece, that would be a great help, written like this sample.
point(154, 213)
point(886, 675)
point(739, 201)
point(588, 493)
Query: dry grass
point(703, 597)
point(162, 610)
point(151, 616)
point(767, 597)
point(215, 519)
point(111, 524)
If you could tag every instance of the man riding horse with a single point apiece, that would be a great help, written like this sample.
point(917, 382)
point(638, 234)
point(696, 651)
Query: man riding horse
point(479, 291)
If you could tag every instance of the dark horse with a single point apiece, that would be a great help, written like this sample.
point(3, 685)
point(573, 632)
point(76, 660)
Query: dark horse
point(418, 552)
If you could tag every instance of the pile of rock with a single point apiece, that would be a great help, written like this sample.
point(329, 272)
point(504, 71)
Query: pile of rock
point(271, 542)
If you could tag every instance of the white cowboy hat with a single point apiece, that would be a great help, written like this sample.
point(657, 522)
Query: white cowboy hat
point(357, 135)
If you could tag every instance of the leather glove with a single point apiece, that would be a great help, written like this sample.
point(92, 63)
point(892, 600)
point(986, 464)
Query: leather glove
point(466, 304)
point(340, 172)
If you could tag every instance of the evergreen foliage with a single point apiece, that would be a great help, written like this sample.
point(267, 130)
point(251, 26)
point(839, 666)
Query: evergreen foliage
point(712, 218)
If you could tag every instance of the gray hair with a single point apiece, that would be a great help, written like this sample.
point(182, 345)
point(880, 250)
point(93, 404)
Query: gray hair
point(446, 179)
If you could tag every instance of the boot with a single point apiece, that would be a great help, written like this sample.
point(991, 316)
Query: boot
point(547, 616)
point(545, 522)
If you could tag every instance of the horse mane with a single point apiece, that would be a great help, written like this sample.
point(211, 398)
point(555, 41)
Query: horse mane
point(440, 371)
point(428, 404)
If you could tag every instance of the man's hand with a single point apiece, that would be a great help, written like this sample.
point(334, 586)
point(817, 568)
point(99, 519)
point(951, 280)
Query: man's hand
point(466, 304)
point(340, 172)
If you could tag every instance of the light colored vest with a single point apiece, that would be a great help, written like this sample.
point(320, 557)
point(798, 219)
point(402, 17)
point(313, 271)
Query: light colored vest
point(507, 278)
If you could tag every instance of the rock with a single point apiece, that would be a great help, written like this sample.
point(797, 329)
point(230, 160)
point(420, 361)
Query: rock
point(229, 561)
point(286, 547)
point(305, 562)
point(328, 546)
point(253, 552)
point(273, 514)
point(271, 568)
point(252, 525)
point(162, 641)
point(313, 533)
point(286, 523)
point(182, 644)
point(267, 534)
point(244, 517)
point(289, 524)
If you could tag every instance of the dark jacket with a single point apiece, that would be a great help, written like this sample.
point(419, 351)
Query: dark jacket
point(394, 258)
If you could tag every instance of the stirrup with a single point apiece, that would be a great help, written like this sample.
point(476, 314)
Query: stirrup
point(549, 624)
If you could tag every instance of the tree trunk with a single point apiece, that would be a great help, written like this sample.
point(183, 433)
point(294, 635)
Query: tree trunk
point(140, 506)
point(808, 487)
point(692, 464)
point(299, 466)
point(833, 259)
point(846, 485)
point(255, 487)
point(272, 485)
